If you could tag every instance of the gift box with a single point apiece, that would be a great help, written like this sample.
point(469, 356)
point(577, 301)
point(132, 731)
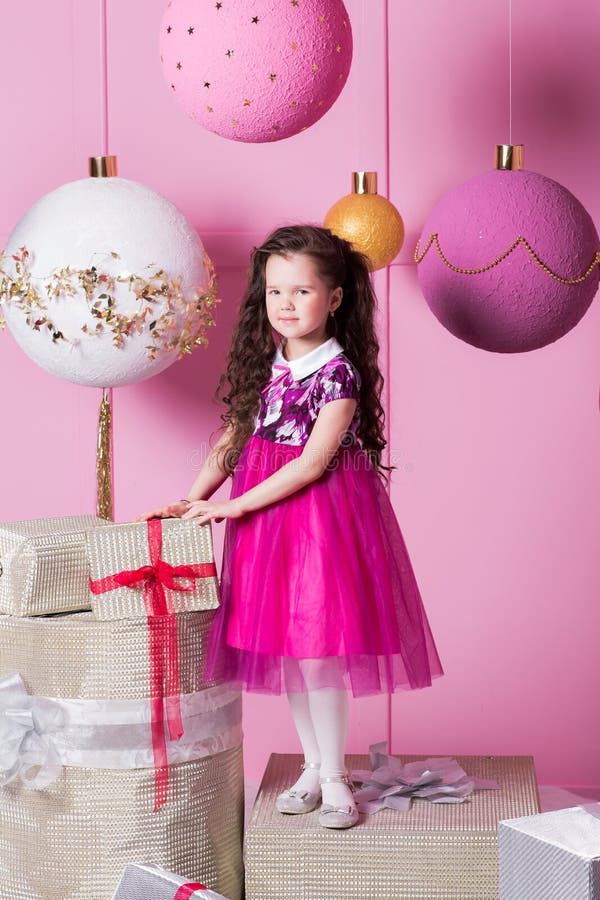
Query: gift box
point(142, 882)
point(78, 759)
point(432, 850)
point(43, 565)
point(121, 556)
point(554, 855)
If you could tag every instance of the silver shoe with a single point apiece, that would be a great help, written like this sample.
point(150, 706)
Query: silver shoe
point(295, 801)
point(338, 816)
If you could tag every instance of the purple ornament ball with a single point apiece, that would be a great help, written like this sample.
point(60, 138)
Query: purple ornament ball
point(515, 305)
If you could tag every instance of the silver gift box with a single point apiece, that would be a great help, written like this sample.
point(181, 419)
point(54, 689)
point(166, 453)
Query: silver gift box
point(44, 567)
point(145, 882)
point(552, 856)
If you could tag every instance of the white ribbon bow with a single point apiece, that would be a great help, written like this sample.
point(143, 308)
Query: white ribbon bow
point(26, 750)
point(40, 735)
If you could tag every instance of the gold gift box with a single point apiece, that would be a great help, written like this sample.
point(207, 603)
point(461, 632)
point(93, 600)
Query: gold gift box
point(126, 547)
point(43, 565)
point(72, 839)
point(432, 851)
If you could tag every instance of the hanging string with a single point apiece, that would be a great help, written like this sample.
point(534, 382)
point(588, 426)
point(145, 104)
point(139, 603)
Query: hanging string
point(510, 71)
point(104, 77)
point(104, 448)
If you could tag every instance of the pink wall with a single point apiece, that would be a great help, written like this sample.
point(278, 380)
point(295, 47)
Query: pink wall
point(497, 488)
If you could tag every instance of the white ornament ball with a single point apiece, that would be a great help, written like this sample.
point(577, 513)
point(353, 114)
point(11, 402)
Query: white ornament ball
point(109, 291)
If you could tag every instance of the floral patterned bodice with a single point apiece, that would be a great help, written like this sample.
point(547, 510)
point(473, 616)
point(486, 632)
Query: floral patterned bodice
point(298, 388)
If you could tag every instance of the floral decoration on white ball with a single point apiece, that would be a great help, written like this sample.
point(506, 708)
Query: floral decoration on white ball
point(104, 282)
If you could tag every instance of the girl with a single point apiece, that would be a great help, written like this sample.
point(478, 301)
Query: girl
point(317, 589)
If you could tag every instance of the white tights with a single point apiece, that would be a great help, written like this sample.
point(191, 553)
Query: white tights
point(320, 715)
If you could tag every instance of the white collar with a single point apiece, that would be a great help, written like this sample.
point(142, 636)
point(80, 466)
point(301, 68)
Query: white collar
point(310, 362)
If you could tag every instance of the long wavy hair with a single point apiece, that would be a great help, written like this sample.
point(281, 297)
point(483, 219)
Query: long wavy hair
point(253, 344)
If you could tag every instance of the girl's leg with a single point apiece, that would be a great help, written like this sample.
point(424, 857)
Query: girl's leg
point(329, 714)
point(328, 705)
point(309, 779)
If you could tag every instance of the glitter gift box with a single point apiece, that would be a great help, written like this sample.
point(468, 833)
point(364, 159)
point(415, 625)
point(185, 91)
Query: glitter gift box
point(82, 712)
point(554, 855)
point(154, 883)
point(121, 555)
point(43, 565)
point(430, 851)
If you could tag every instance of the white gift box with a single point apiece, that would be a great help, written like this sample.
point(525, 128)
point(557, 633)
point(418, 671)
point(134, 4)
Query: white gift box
point(552, 856)
point(145, 882)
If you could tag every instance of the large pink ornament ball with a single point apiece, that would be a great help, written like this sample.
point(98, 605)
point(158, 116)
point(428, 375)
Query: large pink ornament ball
point(522, 302)
point(256, 70)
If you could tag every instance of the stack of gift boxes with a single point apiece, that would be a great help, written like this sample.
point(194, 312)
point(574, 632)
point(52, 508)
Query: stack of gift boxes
point(113, 748)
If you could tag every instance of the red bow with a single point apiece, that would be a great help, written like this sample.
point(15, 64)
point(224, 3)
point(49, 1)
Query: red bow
point(186, 890)
point(162, 643)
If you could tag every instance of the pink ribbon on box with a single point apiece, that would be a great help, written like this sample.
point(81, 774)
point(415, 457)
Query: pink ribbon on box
point(186, 890)
point(164, 654)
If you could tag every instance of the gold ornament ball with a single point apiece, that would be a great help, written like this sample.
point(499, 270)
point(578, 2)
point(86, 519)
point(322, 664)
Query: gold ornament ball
point(370, 222)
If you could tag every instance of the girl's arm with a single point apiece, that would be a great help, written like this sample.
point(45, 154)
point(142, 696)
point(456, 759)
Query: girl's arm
point(212, 474)
point(210, 477)
point(331, 425)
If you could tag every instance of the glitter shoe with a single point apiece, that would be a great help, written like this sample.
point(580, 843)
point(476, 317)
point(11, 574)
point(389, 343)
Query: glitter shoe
point(338, 816)
point(295, 801)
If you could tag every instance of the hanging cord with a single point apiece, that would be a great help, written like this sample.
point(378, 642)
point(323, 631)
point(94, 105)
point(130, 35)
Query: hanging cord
point(104, 447)
point(510, 71)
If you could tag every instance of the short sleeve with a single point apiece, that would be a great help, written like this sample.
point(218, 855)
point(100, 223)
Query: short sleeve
point(339, 381)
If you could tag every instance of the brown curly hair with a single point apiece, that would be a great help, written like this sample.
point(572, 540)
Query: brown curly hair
point(253, 345)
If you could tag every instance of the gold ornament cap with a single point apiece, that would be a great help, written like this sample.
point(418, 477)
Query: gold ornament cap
point(102, 166)
point(509, 157)
point(364, 182)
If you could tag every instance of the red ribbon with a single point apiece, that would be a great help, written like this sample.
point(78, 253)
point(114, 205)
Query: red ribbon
point(162, 643)
point(186, 890)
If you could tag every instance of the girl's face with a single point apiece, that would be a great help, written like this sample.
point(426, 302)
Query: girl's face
point(298, 299)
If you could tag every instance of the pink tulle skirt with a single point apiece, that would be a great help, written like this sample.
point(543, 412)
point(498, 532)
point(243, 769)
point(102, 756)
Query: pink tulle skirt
point(319, 587)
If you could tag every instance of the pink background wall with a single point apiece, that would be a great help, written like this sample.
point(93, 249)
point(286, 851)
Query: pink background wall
point(497, 487)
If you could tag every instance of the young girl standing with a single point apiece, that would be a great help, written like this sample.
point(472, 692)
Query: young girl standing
point(317, 590)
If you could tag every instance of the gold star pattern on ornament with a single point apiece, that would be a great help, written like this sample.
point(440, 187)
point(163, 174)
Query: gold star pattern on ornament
point(295, 3)
point(218, 5)
point(294, 45)
point(293, 104)
point(276, 127)
point(209, 109)
point(247, 102)
point(235, 122)
point(255, 20)
point(338, 48)
point(179, 66)
point(190, 30)
point(315, 67)
point(169, 29)
point(322, 19)
point(272, 76)
point(229, 53)
point(207, 84)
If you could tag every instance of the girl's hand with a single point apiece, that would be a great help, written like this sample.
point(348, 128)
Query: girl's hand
point(172, 511)
point(205, 510)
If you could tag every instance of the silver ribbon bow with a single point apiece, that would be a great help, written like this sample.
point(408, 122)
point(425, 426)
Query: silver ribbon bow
point(391, 785)
point(26, 750)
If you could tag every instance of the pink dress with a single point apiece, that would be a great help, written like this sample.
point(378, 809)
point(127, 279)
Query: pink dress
point(324, 573)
